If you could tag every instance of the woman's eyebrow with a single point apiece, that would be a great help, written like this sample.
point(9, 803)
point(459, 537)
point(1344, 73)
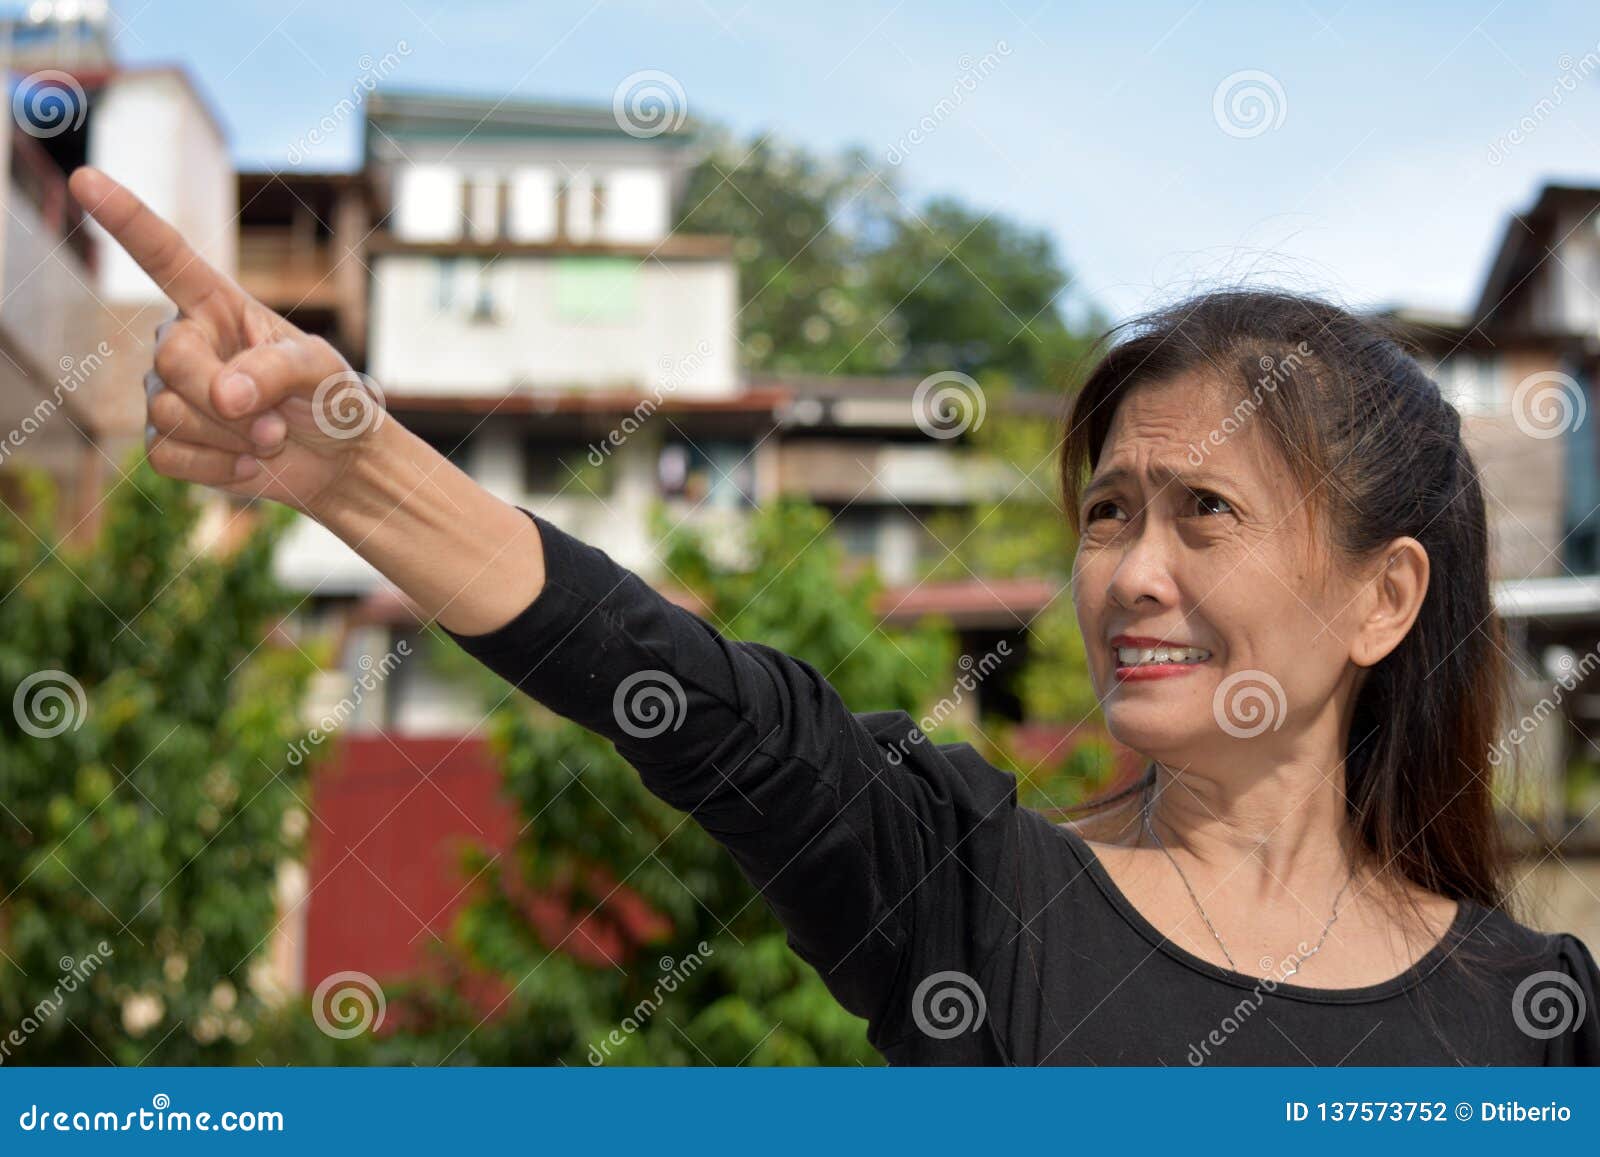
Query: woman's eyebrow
point(1160, 477)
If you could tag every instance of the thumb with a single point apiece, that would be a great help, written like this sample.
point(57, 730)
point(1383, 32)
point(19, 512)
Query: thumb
point(260, 377)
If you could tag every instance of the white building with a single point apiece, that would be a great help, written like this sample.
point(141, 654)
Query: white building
point(77, 317)
point(532, 312)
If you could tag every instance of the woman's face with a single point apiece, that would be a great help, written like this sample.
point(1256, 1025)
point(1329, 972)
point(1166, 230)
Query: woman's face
point(1209, 607)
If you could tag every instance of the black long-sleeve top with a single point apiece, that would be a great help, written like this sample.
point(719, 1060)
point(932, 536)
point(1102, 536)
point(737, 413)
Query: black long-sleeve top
point(965, 928)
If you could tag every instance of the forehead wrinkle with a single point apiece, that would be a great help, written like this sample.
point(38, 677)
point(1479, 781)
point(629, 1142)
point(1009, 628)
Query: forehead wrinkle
point(1162, 475)
point(1152, 437)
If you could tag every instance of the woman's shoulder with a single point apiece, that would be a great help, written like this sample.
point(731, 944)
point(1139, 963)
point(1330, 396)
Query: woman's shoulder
point(1534, 959)
point(1553, 980)
point(1496, 927)
point(956, 771)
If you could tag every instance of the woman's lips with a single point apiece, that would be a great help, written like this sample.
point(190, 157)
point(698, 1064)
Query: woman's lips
point(1137, 658)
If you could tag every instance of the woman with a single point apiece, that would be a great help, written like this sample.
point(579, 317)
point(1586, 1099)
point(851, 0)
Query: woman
point(1282, 585)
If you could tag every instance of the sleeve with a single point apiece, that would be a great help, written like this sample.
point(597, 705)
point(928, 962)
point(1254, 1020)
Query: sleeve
point(851, 835)
point(1575, 1005)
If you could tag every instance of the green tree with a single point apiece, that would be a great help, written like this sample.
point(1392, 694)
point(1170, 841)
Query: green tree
point(840, 274)
point(143, 777)
point(803, 229)
point(975, 292)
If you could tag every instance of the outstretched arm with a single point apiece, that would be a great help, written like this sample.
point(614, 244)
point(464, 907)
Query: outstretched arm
point(852, 851)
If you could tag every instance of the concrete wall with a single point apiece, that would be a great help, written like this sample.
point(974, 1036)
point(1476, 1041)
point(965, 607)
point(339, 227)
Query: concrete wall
point(48, 312)
point(150, 132)
point(555, 321)
point(1523, 477)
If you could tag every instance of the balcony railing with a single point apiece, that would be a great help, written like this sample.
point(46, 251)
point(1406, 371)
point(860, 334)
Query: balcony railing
point(284, 270)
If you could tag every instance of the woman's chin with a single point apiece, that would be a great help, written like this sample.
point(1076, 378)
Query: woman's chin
point(1154, 733)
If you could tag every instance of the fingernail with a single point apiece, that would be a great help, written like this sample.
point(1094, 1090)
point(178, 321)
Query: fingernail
point(245, 467)
point(236, 393)
point(268, 430)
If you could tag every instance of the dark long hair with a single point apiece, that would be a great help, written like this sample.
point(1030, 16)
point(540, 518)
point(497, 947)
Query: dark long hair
point(1378, 454)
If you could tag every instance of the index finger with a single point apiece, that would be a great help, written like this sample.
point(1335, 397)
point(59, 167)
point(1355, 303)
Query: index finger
point(156, 246)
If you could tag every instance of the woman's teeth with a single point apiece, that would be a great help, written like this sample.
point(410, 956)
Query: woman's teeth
point(1145, 656)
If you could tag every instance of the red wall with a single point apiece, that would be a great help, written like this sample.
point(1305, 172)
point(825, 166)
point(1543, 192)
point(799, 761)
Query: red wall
point(390, 819)
point(389, 816)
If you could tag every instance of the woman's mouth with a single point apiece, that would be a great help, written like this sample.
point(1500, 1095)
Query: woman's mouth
point(1139, 658)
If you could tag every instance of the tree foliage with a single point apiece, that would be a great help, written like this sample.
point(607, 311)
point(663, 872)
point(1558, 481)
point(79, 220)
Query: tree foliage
point(840, 273)
point(143, 778)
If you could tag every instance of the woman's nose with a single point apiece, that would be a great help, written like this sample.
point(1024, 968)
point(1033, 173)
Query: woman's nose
point(1143, 572)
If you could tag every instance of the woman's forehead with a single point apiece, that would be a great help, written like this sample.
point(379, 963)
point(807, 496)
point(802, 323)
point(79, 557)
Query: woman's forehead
point(1195, 414)
point(1193, 398)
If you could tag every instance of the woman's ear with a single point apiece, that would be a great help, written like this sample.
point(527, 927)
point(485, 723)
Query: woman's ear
point(1392, 601)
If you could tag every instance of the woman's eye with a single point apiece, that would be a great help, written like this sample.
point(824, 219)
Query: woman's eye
point(1103, 510)
point(1209, 503)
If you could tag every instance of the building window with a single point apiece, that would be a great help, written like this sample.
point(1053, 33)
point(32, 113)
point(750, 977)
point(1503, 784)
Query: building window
point(1580, 544)
point(457, 447)
point(444, 280)
point(580, 207)
point(595, 289)
point(428, 203)
point(857, 532)
point(1471, 382)
point(467, 287)
point(551, 466)
point(485, 204)
point(720, 474)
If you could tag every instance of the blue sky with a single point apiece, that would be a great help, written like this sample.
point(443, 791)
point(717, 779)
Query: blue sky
point(1386, 175)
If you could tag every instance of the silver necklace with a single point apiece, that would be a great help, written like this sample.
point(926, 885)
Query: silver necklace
point(1144, 811)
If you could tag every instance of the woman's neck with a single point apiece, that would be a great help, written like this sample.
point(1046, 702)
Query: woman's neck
point(1267, 830)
